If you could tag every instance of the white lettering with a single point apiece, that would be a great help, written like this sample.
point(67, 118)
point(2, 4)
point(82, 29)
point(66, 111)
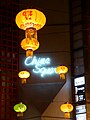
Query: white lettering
point(37, 62)
point(44, 71)
point(40, 65)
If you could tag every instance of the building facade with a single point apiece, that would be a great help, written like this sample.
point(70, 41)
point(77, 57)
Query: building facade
point(8, 60)
point(78, 52)
point(79, 33)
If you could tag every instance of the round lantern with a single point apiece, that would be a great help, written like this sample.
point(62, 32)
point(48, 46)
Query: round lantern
point(61, 70)
point(29, 46)
point(24, 75)
point(20, 108)
point(66, 108)
point(30, 43)
point(30, 18)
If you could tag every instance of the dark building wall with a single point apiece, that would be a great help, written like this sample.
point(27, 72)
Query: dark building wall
point(80, 54)
point(8, 60)
point(87, 59)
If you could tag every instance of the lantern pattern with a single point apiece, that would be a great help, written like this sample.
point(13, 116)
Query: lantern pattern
point(30, 18)
point(66, 108)
point(30, 43)
point(61, 70)
point(20, 108)
point(23, 75)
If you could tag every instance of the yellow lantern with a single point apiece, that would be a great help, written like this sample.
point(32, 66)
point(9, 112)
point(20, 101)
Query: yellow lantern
point(20, 108)
point(61, 70)
point(30, 43)
point(30, 18)
point(66, 108)
point(24, 75)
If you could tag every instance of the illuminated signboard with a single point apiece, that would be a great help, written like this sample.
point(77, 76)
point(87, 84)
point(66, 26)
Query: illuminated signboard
point(79, 98)
point(81, 116)
point(80, 90)
point(41, 65)
point(80, 109)
point(79, 81)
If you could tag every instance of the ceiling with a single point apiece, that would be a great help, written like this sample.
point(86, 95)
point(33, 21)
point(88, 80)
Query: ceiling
point(53, 38)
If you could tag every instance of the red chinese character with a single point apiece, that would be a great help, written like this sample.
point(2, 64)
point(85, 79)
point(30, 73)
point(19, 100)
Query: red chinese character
point(27, 14)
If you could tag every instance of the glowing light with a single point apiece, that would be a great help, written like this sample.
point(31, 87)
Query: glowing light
point(62, 70)
point(66, 108)
point(30, 61)
point(24, 75)
point(20, 108)
point(40, 65)
point(30, 18)
point(44, 71)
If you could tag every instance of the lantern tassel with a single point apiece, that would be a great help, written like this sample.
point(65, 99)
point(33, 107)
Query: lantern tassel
point(62, 76)
point(19, 114)
point(29, 52)
point(67, 115)
point(23, 80)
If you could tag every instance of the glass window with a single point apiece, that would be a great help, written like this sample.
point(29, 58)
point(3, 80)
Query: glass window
point(77, 36)
point(2, 96)
point(3, 83)
point(77, 28)
point(76, 10)
point(78, 70)
point(77, 44)
point(77, 18)
point(3, 77)
point(76, 3)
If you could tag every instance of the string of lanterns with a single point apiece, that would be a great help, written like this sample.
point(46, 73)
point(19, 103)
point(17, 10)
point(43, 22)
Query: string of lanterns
point(31, 20)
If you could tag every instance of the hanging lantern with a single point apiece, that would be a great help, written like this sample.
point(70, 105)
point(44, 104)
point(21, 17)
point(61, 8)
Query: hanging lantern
point(30, 18)
point(66, 108)
point(24, 75)
point(30, 43)
point(20, 108)
point(61, 70)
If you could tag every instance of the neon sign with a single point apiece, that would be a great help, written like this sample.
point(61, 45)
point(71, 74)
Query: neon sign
point(40, 65)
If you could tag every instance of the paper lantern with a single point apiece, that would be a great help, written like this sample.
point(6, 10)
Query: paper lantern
point(62, 70)
point(20, 108)
point(24, 75)
point(30, 18)
point(66, 108)
point(30, 43)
